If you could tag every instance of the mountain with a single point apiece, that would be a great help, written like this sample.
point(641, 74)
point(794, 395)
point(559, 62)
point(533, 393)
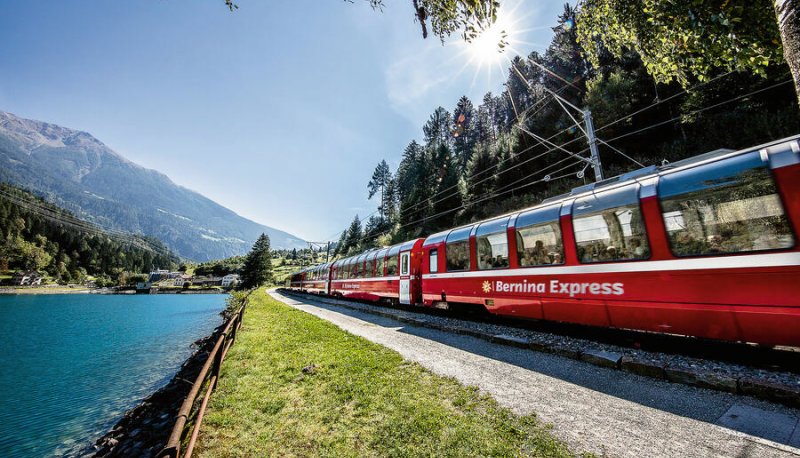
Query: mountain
point(75, 171)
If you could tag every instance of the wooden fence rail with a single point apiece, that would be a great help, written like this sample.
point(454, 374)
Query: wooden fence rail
point(208, 377)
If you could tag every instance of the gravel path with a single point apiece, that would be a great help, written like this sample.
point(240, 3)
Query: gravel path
point(605, 411)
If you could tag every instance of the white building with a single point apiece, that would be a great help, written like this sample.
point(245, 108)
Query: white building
point(230, 280)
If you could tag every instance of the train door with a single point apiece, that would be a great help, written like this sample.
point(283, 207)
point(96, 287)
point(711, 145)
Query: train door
point(328, 275)
point(405, 277)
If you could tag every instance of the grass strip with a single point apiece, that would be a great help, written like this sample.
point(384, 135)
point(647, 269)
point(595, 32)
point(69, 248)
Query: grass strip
point(296, 385)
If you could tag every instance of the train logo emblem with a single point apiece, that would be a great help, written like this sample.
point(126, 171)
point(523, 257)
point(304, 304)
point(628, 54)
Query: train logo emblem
point(487, 287)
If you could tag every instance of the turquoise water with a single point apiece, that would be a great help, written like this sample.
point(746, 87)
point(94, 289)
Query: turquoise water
point(71, 365)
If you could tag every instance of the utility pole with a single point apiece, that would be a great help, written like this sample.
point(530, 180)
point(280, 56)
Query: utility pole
point(588, 131)
point(328, 252)
point(598, 167)
point(587, 118)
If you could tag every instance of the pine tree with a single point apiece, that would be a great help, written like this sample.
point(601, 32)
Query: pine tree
point(414, 186)
point(340, 247)
point(438, 129)
point(353, 237)
point(448, 199)
point(465, 135)
point(379, 182)
point(257, 269)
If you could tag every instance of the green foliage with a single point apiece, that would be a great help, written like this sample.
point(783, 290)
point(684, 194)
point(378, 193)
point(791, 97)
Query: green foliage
point(446, 17)
point(257, 268)
point(684, 40)
point(481, 160)
point(220, 268)
point(612, 97)
point(66, 251)
point(380, 183)
point(352, 237)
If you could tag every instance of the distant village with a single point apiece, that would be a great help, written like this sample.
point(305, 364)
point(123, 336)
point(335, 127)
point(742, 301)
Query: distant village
point(160, 278)
point(157, 280)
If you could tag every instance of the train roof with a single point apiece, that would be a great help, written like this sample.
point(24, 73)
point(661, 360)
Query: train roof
point(776, 148)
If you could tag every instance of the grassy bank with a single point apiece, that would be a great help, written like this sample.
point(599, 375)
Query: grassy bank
point(359, 399)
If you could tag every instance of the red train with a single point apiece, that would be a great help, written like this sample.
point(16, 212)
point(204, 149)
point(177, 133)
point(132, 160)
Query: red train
point(704, 247)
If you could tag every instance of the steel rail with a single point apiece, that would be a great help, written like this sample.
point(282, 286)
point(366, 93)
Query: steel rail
point(211, 368)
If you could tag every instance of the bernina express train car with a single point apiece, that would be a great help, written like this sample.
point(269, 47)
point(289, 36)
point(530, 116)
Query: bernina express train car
point(315, 279)
point(389, 274)
point(705, 247)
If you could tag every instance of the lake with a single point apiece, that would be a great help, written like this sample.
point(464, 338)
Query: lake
point(71, 365)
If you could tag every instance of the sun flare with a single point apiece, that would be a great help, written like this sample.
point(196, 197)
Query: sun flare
point(489, 46)
point(491, 51)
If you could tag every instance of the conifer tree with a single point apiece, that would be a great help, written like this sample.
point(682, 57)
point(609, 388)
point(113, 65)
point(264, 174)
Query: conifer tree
point(257, 269)
point(465, 136)
point(379, 182)
point(353, 237)
point(341, 247)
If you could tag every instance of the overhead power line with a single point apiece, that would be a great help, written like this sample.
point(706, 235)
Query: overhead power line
point(700, 110)
point(63, 218)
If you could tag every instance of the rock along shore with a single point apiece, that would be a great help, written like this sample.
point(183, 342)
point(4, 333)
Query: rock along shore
point(145, 429)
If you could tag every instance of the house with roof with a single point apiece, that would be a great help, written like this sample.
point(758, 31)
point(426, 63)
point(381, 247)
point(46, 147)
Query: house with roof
point(183, 278)
point(230, 280)
point(29, 278)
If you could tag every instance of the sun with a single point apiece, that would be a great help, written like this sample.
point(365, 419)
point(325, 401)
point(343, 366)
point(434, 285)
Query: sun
point(488, 47)
point(493, 49)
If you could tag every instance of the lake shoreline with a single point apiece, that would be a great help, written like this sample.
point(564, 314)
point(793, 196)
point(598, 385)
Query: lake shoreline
point(82, 290)
point(145, 428)
point(106, 361)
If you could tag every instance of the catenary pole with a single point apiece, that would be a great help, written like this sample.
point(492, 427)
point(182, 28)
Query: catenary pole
point(598, 167)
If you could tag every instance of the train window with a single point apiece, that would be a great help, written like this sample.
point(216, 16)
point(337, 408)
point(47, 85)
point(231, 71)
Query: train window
point(370, 268)
point(609, 227)
point(404, 263)
point(456, 250)
point(391, 265)
point(392, 256)
point(434, 260)
point(730, 206)
point(539, 237)
point(379, 266)
point(457, 255)
point(492, 242)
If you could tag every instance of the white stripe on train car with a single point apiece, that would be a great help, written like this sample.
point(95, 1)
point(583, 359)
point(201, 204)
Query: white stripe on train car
point(350, 280)
point(726, 262)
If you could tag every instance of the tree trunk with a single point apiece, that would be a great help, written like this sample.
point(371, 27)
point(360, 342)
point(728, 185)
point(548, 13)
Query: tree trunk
point(788, 13)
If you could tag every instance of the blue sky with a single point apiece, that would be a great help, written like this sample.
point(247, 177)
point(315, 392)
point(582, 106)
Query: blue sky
point(279, 111)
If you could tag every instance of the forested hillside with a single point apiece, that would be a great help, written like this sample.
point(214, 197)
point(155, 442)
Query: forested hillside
point(76, 171)
point(40, 236)
point(513, 149)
